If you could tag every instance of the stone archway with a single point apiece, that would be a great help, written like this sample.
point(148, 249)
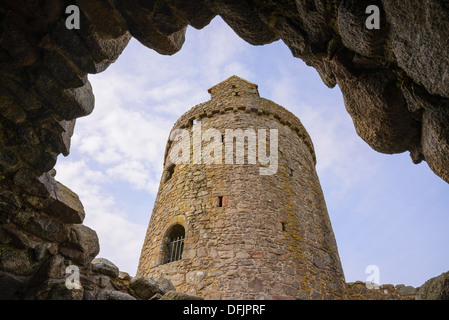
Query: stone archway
point(394, 81)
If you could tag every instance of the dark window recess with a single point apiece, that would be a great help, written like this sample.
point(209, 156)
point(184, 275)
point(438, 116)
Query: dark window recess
point(169, 172)
point(175, 244)
point(220, 202)
point(283, 226)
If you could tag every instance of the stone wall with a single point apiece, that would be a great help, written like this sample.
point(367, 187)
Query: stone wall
point(436, 288)
point(272, 237)
point(360, 291)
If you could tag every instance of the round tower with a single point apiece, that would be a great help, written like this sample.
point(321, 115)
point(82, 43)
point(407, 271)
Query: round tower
point(240, 213)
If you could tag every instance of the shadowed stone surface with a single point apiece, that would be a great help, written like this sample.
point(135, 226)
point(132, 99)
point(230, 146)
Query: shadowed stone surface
point(395, 83)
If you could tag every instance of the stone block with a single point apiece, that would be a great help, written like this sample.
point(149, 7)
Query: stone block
point(114, 295)
point(64, 205)
point(82, 245)
point(145, 288)
point(104, 266)
point(175, 295)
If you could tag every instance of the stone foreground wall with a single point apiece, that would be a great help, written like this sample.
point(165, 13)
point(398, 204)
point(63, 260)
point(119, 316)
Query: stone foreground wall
point(436, 288)
point(394, 81)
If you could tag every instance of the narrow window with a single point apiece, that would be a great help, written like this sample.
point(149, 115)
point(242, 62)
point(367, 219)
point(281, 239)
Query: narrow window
point(283, 226)
point(220, 202)
point(169, 172)
point(175, 244)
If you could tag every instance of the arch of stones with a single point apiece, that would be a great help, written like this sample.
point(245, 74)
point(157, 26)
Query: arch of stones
point(394, 80)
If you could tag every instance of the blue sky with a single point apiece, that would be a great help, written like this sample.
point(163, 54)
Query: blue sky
point(385, 211)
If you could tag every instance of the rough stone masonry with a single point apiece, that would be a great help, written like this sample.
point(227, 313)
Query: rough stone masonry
point(247, 235)
point(394, 80)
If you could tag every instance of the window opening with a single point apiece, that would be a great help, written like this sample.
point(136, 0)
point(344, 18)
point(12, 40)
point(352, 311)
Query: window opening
point(175, 244)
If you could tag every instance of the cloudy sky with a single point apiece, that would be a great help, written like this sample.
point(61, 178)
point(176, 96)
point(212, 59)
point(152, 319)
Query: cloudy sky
point(385, 211)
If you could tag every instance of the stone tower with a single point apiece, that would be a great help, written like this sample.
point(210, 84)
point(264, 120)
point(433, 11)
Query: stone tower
point(233, 226)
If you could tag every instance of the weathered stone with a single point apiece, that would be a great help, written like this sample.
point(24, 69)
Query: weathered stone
point(141, 28)
point(8, 159)
point(157, 296)
point(162, 17)
point(15, 261)
point(114, 295)
point(104, 282)
point(52, 268)
point(174, 295)
point(195, 277)
point(420, 41)
point(66, 136)
point(10, 107)
point(102, 13)
point(394, 80)
point(145, 288)
point(124, 276)
point(12, 286)
point(104, 51)
point(31, 184)
point(315, 17)
point(59, 291)
point(82, 245)
point(67, 103)
point(353, 31)
point(241, 17)
point(16, 42)
point(64, 205)
point(407, 290)
point(38, 158)
point(434, 140)
point(165, 284)
point(379, 112)
point(104, 266)
point(436, 288)
point(71, 44)
point(67, 74)
point(16, 237)
point(42, 226)
point(197, 13)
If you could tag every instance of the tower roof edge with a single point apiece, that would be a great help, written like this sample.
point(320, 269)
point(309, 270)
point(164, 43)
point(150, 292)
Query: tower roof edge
point(234, 83)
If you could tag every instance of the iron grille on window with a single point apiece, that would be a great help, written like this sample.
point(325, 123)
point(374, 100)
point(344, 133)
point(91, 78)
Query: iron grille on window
point(174, 250)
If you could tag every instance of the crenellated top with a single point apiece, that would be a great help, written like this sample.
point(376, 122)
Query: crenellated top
point(249, 101)
point(232, 87)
